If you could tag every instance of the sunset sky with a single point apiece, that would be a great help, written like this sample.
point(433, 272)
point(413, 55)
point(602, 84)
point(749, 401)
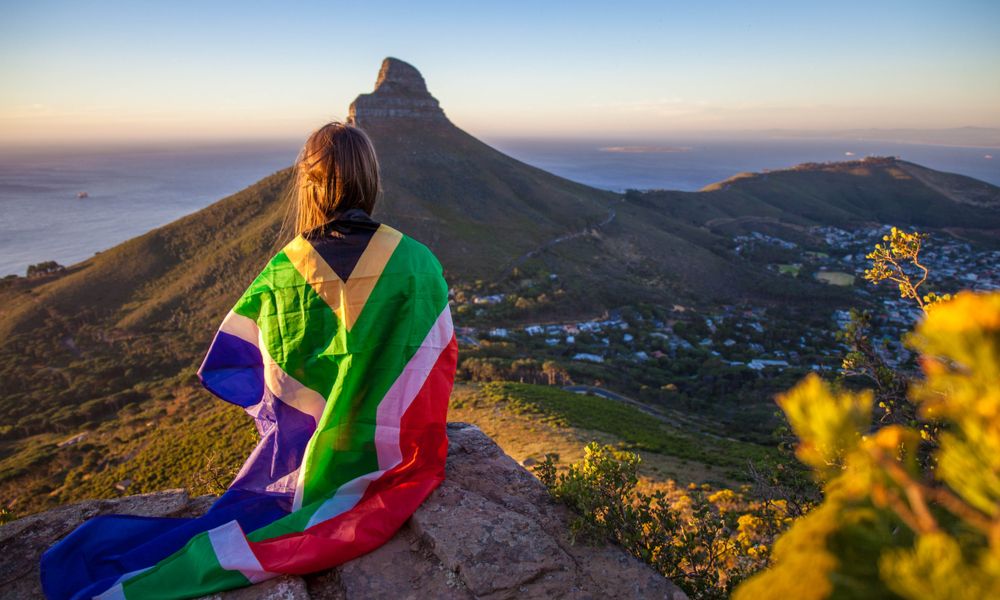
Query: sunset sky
point(85, 71)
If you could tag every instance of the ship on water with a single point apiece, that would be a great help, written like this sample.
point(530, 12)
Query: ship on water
point(82, 195)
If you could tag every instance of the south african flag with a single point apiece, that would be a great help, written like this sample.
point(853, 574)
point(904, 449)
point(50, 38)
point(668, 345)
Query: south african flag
point(343, 352)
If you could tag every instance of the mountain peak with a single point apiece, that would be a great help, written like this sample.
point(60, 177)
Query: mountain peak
point(400, 92)
point(398, 76)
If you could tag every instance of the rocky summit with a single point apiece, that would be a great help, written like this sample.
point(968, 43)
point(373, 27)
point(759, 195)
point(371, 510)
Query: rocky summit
point(400, 92)
point(490, 531)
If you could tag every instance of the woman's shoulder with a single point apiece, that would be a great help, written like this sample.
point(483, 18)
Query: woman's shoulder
point(376, 243)
point(414, 252)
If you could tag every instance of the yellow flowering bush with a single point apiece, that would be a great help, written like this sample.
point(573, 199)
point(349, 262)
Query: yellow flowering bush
point(705, 542)
point(893, 525)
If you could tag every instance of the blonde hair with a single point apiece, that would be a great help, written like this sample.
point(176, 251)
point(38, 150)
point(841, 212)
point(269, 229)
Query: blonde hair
point(336, 170)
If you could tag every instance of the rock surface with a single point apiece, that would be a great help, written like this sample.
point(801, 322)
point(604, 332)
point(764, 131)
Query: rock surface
point(400, 92)
point(490, 531)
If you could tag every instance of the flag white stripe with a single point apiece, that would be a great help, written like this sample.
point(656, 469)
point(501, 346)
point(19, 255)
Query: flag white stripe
point(234, 553)
point(242, 327)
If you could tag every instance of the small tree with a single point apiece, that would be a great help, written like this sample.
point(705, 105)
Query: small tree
point(43, 268)
point(897, 261)
point(554, 372)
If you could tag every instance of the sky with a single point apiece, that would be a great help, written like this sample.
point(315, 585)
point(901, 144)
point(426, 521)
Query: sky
point(86, 71)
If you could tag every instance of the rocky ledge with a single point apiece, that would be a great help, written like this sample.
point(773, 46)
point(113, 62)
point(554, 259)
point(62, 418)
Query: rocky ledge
point(490, 531)
point(400, 92)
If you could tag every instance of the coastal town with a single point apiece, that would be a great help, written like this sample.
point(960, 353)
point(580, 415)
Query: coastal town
point(683, 354)
point(952, 266)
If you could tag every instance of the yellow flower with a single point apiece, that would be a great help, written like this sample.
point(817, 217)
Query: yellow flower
point(827, 425)
point(722, 496)
point(967, 310)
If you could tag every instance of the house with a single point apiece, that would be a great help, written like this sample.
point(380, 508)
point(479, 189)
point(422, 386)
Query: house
point(758, 364)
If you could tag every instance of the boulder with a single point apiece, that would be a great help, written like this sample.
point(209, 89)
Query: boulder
point(490, 531)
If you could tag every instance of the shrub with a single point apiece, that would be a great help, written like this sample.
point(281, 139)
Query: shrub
point(706, 545)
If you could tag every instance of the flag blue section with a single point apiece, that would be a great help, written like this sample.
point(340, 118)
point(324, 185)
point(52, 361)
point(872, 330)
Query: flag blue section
point(90, 560)
point(233, 370)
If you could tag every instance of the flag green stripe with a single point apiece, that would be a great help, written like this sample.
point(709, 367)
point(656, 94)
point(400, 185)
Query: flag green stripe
point(192, 571)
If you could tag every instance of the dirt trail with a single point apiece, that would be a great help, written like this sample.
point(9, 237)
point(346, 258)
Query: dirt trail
point(564, 238)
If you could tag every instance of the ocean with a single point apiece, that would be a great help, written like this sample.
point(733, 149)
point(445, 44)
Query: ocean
point(130, 191)
point(134, 190)
point(706, 161)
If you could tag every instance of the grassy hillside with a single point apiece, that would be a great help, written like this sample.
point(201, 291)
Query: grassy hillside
point(850, 194)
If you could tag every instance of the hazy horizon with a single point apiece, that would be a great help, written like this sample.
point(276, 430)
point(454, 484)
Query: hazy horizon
point(94, 71)
point(968, 137)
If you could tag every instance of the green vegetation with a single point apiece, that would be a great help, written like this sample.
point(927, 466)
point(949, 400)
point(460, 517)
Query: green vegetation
point(44, 268)
point(910, 508)
point(638, 429)
point(895, 522)
point(835, 278)
point(194, 442)
point(202, 454)
point(699, 381)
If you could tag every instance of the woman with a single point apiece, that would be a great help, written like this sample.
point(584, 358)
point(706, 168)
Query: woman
point(343, 352)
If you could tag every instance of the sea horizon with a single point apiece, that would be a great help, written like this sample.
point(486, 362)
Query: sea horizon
point(134, 188)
